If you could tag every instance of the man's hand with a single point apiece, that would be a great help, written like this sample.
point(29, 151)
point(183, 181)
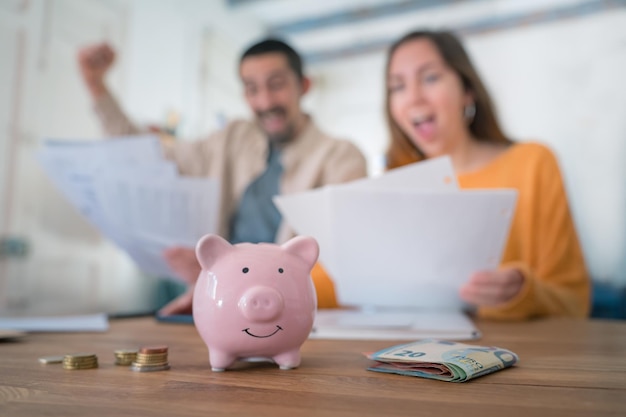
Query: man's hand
point(95, 61)
point(185, 265)
point(180, 305)
point(489, 288)
point(183, 262)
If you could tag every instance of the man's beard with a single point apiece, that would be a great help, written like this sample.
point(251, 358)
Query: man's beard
point(288, 132)
point(282, 137)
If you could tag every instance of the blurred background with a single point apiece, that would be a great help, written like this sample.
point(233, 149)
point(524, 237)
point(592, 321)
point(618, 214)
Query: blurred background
point(554, 67)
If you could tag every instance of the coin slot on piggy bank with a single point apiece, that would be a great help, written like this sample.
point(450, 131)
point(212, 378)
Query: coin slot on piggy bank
point(255, 301)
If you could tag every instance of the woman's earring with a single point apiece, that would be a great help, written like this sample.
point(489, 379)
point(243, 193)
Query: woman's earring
point(469, 112)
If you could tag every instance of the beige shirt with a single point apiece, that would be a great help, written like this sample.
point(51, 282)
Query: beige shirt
point(237, 154)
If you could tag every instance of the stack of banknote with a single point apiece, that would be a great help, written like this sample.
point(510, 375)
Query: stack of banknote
point(442, 360)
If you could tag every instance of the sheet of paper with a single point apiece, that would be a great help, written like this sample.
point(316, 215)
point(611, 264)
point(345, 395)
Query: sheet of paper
point(183, 209)
point(435, 174)
point(409, 238)
point(74, 166)
point(71, 170)
point(134, 197)
point(115, 191)
point(122, 150)
point(75, 323)
point(310, 212)
point(393, 324)
point(414, 248)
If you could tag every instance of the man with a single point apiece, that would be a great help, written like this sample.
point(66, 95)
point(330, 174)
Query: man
point(281, 151)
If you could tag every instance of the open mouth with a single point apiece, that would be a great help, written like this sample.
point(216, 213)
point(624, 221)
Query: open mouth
point(273, 117)
point(417, 120)
point(424, 125)
point(278, 328)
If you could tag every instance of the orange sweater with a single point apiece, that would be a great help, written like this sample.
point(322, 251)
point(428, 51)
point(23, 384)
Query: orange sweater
point(542, 241)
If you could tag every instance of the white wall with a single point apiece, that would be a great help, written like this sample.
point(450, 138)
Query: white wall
point(182, 56)
point(69, 265)
point(347, 100)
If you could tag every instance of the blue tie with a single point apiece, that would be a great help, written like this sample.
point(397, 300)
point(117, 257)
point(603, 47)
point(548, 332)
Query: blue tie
point(257, 218)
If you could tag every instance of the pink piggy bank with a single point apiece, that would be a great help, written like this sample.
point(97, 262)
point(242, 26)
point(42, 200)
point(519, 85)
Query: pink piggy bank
point(255, 300)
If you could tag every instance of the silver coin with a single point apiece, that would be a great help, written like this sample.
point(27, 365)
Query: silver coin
point(51, 359)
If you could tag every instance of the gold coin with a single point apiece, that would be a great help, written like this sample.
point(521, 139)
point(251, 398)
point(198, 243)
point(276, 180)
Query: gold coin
point(89, 362)
point(80, 365)
point(76, 367)
point(150, 368)
point(151, 360)
point(81, 355)
point(71, 359)
point(124, 352)
point(148, 365)
point(125, 356)
point(76, 357)
point(152, 355)
point(81, 361)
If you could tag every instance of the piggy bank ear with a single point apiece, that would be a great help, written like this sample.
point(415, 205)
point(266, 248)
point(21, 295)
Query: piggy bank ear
point(305, 248)
point(210, 248)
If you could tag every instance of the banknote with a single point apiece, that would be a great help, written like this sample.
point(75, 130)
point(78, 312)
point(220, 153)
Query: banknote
point(441, 359)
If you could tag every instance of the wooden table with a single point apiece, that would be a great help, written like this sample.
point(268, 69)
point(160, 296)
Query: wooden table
point(567, 368)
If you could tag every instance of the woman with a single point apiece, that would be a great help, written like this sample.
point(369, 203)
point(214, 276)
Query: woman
point(437, 105)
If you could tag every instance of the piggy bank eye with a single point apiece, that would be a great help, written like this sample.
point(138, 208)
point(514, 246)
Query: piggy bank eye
point(280, 270)
point(245, 270)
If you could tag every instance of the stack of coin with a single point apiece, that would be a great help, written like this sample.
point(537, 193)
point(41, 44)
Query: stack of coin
point(125, 357)
point(151, 358)
point(80, 361)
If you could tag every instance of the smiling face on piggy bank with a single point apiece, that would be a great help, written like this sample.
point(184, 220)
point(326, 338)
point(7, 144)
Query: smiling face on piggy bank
point(255, 300)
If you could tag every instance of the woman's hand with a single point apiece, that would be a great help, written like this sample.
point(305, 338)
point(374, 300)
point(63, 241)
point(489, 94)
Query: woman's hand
point(490, 288)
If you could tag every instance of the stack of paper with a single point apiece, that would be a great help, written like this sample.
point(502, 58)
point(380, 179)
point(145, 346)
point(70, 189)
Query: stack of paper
point(134, 197)
point(81, 323)
point(405, 240)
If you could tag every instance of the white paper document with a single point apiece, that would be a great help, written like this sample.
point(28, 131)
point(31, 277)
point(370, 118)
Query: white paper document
point(393, 324)
point(134, 197)
point(406, 240)
point(79, 323)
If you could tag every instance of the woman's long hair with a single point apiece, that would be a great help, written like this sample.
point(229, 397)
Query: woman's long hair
point(483, 127)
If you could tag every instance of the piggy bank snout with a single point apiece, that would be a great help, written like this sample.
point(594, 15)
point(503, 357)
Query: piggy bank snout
point(260, 304)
